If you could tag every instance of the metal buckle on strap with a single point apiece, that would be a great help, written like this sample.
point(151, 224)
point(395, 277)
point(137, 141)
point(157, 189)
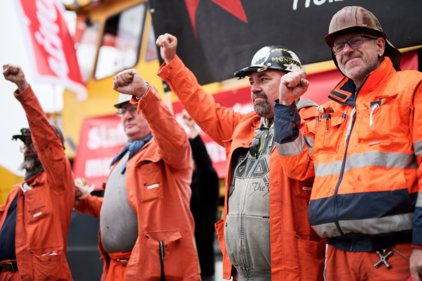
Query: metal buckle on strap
point(12, 268)
point(8, 267)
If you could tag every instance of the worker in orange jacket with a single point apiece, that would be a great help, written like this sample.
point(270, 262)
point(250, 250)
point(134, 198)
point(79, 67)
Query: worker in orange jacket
point(367, 195)
point(146, 227)
point(265, 234)
point(35, 220)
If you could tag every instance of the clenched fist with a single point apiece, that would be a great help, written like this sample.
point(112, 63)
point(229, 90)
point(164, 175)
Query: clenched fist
point(292, 86)
point(14, 74)
point(129, 82)
point(168, 46)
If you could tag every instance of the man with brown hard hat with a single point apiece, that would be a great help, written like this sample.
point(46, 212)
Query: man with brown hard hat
point(265, 233)
point(35, 220)
point(366, 154)
point(146, 227)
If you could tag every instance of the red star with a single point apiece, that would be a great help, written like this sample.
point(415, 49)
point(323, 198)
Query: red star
point(234, 7)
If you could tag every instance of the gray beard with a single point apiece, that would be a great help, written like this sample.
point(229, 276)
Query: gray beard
point(32, 167)
point(262, 109)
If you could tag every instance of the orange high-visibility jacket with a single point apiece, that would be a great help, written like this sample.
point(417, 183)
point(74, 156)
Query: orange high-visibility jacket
point(43, 213)
point(297, 253)
point(163, 211)
point(365, 159)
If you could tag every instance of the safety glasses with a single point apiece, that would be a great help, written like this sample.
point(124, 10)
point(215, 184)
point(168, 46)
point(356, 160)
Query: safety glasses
point(122, 111)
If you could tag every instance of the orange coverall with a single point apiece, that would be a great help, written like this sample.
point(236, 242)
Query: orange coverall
point(297, 253)
point(164, 211)
point(43, 213)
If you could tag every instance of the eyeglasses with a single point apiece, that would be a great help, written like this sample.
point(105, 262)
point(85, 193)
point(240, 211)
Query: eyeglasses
point(255, 145)
point(122, 111)
point(352, 42)
point(26, 146)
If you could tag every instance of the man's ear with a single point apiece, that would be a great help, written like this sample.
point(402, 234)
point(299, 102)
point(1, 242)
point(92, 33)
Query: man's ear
point(380, 44)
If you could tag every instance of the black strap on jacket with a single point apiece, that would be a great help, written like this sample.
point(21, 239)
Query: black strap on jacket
point(163, 278)
point(9, 266)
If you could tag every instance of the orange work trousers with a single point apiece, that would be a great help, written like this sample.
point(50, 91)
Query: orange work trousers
point(117, 268)
point(8, 275)
point(359, 266)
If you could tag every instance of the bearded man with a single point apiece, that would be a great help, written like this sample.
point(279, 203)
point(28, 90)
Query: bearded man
point(264, 234)
point(35, 220)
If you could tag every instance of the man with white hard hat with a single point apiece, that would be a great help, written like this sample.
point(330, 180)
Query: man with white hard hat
point(146, 227)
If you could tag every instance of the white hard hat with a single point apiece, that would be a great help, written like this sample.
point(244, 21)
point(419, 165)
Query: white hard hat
point(122, 100)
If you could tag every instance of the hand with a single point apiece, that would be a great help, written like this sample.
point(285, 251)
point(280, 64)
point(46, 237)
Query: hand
point(190, 123)
point(416, 264)
point(129, 82)
point(14, 74)
point(168, 46)
point(292, 86)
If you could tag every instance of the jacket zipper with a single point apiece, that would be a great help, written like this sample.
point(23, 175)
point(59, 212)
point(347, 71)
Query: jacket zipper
point(343, 165)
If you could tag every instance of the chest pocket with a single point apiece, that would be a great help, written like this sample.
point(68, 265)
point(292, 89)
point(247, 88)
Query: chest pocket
point(150, 181)
point(378, 120)
point(329, 133)
point(37, 205)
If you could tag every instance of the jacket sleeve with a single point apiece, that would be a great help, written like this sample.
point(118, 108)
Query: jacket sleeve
point(47, 143)
point(294, 138)
point(416, 133)
point(90, 205)
point(168, 133)
point(216, 121)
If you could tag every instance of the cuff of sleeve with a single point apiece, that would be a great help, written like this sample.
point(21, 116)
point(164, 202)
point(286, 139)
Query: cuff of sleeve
point(286, 122)
point(137, 102)
point(417, 237)
point(416, 247)
point(21, 96)
point(166, 70)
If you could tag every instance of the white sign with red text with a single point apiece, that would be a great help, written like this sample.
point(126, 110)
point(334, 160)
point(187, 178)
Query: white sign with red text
point(50, 46)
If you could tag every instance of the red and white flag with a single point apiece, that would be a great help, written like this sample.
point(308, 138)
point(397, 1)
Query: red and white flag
point(50, 45)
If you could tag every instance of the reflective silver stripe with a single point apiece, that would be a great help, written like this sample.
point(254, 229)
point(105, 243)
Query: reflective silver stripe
point(419, 200)
point(293, 148)
point(310, 143)
point(417, 147)
point(367, 226)
point(373, 158)
point(326, 230)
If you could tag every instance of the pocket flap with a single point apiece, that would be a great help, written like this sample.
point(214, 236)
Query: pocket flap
point(169, 236)
point(47, 251)
point(336, 120)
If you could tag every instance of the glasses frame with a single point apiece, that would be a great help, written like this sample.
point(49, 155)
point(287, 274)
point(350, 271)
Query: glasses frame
point(122, 111)
point(348, 43)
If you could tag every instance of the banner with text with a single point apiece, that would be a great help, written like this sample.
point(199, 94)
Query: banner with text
point(50, 46)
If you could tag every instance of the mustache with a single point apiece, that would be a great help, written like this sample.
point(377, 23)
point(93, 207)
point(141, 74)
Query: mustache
point(261, 95)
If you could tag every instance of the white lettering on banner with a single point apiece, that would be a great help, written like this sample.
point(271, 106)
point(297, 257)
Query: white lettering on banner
point(48, 37)
point(100, 167)
point(216, 152)
point(104, 137)
point(316, 2)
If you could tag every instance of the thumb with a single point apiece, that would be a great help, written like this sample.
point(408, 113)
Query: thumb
point(305, 84)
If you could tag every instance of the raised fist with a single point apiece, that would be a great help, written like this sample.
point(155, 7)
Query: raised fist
point(129, 82)
point(292, 86)
point(168, 46)
point(14, 74)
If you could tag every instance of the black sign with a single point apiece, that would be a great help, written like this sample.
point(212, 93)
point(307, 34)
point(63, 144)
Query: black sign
point(229, 32)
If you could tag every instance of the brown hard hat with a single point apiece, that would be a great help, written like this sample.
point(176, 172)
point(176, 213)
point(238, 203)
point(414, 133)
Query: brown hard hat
point(360, 20)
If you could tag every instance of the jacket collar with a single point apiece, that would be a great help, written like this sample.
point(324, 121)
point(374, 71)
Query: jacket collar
point(344, 90)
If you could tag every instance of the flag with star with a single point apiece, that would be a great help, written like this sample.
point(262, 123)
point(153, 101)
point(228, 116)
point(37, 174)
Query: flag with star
point(218, 37)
